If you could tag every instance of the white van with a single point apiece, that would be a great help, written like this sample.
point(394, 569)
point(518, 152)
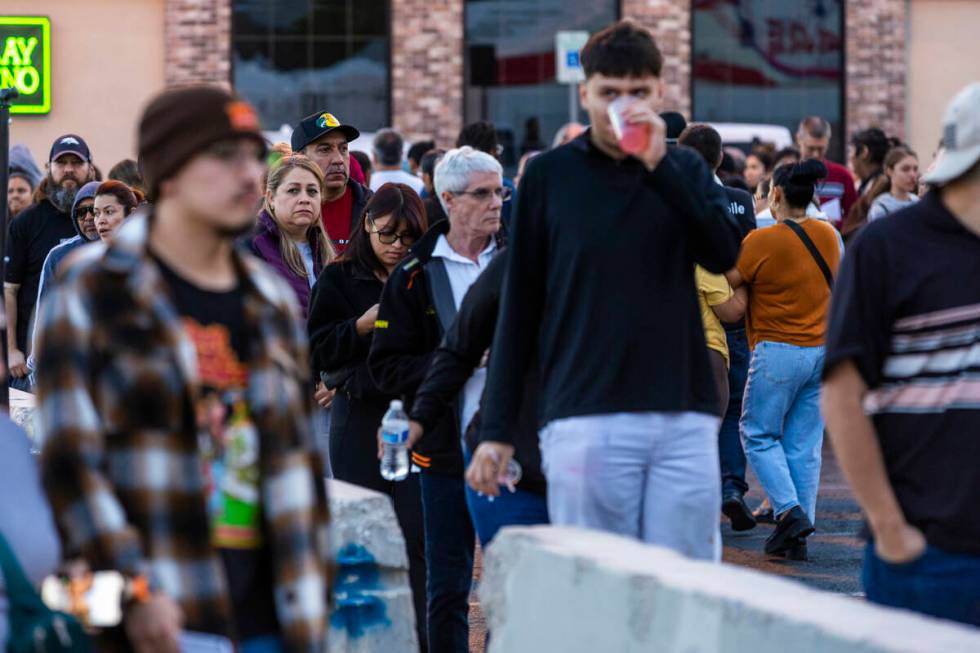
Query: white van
point(741, 135)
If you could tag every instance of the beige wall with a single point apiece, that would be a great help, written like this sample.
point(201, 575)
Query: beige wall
point(107, 59)
point(943, 57)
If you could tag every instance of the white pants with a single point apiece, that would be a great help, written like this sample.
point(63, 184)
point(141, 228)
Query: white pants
point(653, 476)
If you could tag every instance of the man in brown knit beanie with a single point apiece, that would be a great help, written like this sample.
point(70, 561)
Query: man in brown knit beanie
point(173, 391)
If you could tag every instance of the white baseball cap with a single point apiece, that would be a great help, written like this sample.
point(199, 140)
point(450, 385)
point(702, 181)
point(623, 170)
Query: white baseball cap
point(961, 137)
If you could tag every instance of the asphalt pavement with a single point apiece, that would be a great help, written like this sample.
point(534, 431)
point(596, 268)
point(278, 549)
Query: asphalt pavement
point(835, 549)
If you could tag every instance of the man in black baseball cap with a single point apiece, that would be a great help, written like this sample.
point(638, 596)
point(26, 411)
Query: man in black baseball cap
point(35, 232)
point(323, 138)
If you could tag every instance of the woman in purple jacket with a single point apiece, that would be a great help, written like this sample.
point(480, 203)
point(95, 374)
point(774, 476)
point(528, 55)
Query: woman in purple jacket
point(290, 235)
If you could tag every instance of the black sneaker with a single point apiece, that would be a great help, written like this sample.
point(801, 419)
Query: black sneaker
point(735, 509)
point(793, 526)
point(796, 552)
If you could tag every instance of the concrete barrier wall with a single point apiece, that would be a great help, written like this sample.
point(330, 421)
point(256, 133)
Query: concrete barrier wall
point(575, 591)
point(372, 609)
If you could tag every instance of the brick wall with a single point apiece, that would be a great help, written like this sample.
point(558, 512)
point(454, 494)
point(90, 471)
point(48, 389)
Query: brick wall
point(670, 23)
point(197, 37)
point(427, 58)
point(427, 69)
point(876, 33)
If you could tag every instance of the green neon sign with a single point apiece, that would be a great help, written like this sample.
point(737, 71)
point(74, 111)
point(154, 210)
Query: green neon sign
point(25, 61)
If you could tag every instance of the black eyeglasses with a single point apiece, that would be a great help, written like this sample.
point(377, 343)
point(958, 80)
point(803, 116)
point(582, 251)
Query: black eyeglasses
point(484, 194)
point(82, 211)
point(389, 237)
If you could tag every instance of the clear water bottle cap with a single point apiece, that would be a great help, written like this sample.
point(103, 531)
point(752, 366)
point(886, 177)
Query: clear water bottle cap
point(396, 404)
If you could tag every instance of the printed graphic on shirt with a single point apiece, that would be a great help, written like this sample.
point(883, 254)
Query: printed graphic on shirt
point(830, 194)
point(228, 439)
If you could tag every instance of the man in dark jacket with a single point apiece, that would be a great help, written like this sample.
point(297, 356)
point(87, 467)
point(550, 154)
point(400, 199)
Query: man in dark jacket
point(322, 137)
point(418, 305)
point(599, 289)
point(37, 230)
point(707, 142)
point(461, 353)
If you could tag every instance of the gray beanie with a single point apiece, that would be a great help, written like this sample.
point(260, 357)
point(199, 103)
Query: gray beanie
point(22, 164)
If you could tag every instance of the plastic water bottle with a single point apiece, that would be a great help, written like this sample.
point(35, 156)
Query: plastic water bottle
point(394, 438)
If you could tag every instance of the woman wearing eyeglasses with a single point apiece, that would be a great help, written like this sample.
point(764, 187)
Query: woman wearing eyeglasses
point(341, 325)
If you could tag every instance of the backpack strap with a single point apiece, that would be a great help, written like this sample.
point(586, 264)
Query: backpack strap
point(814, 252)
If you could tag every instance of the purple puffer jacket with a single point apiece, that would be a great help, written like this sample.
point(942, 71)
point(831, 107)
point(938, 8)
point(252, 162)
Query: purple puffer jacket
point(265, 245)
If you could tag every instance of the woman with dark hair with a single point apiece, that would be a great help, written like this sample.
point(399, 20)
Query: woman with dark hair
point(786, 155)
point(128, 172)
point(114, 202)
point(758, 163)
point(788, 269)
point(867, 156)
point(341, 325)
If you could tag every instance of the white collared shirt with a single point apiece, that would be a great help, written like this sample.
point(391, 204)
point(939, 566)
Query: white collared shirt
point(462, 272)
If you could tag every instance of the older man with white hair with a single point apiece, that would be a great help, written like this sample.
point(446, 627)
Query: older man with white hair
point(418, 304)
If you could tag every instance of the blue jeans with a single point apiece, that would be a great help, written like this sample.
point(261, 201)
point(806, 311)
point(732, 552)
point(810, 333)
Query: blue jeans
point(449, 543)
point(730, 451)
point(781, 426)
point(939, 583)
point(520, 508)
point(321, 436)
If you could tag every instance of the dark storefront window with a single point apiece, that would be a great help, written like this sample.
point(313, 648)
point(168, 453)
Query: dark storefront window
point(769, 61)
point(510, 65)
point(293, 57)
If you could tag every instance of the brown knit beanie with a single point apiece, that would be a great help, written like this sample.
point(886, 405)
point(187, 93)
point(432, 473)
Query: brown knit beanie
point(179, 123)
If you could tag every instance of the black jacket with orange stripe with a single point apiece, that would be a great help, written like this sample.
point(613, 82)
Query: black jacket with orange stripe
point(408, 331)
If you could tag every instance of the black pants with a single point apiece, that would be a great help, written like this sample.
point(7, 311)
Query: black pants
point(449, 543)
point(354, 458)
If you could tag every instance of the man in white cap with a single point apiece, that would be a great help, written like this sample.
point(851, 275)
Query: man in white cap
point(902, 384)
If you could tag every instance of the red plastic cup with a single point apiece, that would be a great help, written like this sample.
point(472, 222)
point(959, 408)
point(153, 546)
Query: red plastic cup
point(633, 139)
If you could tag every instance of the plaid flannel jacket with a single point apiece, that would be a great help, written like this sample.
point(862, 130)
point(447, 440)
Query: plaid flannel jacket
point(116, 396)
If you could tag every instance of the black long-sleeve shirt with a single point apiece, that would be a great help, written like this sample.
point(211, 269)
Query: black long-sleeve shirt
point(600, 277)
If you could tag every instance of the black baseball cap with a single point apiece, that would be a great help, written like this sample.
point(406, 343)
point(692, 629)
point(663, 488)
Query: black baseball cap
point(70, 144)
point(317, 125)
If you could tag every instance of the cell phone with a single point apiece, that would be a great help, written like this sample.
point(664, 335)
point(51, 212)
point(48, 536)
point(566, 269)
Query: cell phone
point(95, 599)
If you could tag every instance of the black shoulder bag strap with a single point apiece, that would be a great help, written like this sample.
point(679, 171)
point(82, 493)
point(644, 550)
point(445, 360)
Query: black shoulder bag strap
point(814, 252)
point(442, 292)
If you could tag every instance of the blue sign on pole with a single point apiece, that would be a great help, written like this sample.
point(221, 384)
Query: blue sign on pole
point(568, 60)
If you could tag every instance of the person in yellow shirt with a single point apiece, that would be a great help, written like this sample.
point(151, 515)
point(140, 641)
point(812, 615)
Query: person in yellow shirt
point(719, 303)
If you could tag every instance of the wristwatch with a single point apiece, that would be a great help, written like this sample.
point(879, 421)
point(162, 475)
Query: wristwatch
point(136, 590)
